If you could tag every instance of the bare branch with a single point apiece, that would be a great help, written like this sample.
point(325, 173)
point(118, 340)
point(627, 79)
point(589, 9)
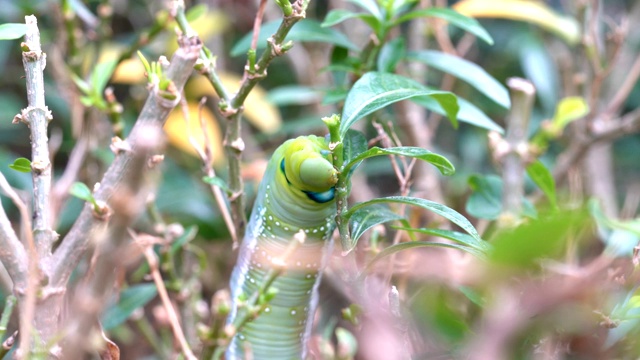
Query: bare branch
point(154, 113)
point(127, 203)
point(12, 253)
point(522, 97)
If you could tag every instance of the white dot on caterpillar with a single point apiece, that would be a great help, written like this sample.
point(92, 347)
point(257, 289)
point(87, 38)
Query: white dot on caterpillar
point(286, 228)
point(293, 312)
point(277, 223)
point(308, 276)
point(252, 280)
point(268, 227)
point(264, 253)
point(308, 292)
point(270, 217)
point(315, 231)
point(298, 263)
point(259, 265)
point(267, 309)
point(308, 265)
point(321, 228)
point(306, 231)
point(241, 337)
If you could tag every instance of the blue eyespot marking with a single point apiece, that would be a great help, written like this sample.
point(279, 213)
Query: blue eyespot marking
point(321, 197)
point(284, 172)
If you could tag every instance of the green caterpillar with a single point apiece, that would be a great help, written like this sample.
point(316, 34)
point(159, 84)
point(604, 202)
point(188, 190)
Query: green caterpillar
point(296, 194)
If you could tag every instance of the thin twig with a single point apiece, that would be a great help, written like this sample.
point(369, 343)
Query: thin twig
point(256, 24)
point(206, 155)
point(166, 302)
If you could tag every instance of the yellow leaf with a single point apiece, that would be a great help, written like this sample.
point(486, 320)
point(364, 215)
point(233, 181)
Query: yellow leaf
point(176, 129)
point(130, 71)
point(534, 12)
point(206, 26)
point(258, 111)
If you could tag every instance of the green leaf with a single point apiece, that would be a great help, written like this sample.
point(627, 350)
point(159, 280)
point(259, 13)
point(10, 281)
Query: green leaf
point(472, 295)
point(458, 237)
point(354, 143)
point(196, 11)
point(333, 96)
point(439, 161)
point(543, 178)
point(186, 237)
point(454, 18)
point(82, 191)
point(391, 54)
point(305, 30)
point(365, 218)
point(369, 5)
point(468, 113)
point(466, 71)
point(101, 75)
point(294, 95)
point(11, 31)
point(82, 85)
point(21, 165)
point(486, 200)
point(347, 344)
point(419, 244)
point(375, 90)
point(219, 182)
point(130, 300)
point(538, 66)
point(569, 109)
point(337, 16)
point(432, 206)
point(536, 239)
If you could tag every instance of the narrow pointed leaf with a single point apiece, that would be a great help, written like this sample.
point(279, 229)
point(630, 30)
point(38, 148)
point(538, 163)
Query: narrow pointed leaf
point(391, 54)
point(305, 30)
point(442, 210)
point(354, 144)
point(439, 161)
point(11, 31)
point(468, 113)
point(369, 5)
point(454, 18)
point(466, 71)
point(458, 237)
point(535, 12)
point(420, 244)
point(81, 191)
point(337, 16)
point(131, 299)
point(543, 178)
point(368, 217)
point(375, 90)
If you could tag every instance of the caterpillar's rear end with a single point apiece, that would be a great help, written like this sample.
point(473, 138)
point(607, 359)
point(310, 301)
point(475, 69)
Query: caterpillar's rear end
point(295, 195)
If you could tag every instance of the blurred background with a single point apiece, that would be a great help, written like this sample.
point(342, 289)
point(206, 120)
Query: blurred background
point(561, 285)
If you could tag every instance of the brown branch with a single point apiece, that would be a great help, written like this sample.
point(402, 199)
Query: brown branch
point(522, 97)
point(154, 113)
point(126, 204)
point(626, 125)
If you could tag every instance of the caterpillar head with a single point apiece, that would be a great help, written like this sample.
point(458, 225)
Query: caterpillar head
point(307, 167)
